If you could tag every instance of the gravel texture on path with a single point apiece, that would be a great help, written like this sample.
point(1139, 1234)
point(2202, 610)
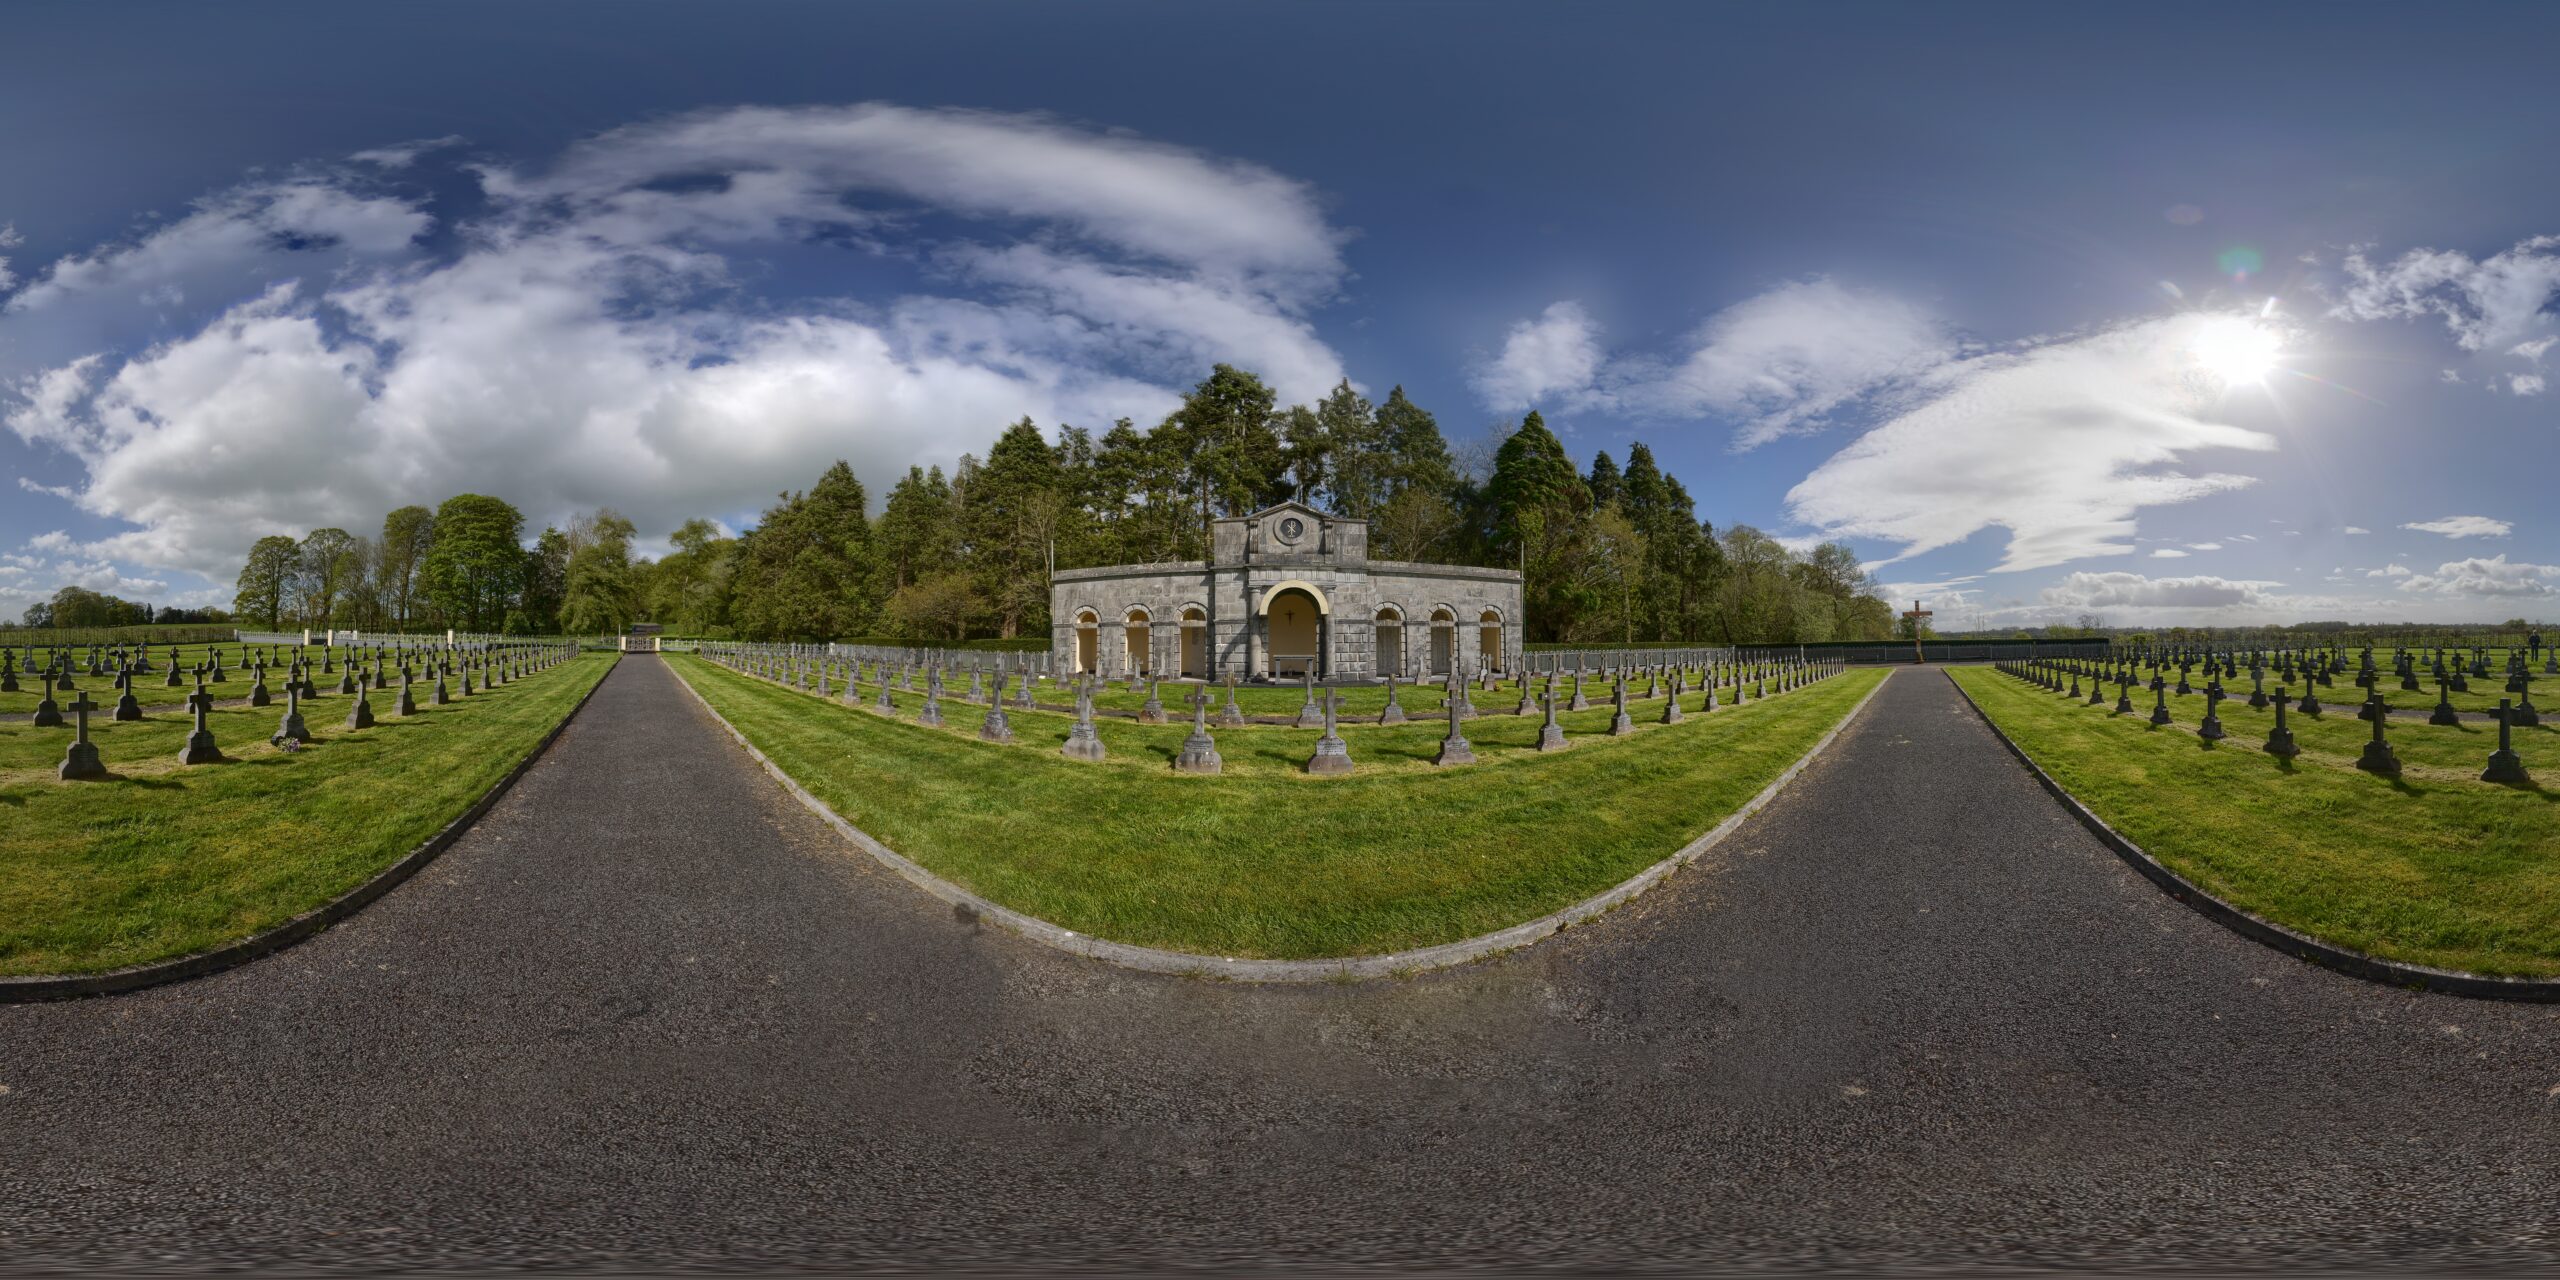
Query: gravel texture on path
point(650, 1013)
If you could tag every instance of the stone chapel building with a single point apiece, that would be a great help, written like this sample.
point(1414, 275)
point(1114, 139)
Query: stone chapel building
point(1288, 589)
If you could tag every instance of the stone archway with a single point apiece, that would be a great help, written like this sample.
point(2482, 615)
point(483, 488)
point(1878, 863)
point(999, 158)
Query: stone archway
point(1489, 640)
point(1294, 619)
point(1088, 649)
point(1444, 640)
point(1137, 634)
point(1194, 663)
point(1389, 642)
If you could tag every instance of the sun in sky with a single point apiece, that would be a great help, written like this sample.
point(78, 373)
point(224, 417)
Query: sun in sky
point(2236, 350)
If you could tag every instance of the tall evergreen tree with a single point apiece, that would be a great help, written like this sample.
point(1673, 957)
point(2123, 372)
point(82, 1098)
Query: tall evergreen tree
point(1017, 502)
point(1418, 457)
point(1538, 501)
point(1230, 443)
point(1604, 480)
point(802, 570)
point(1358, 467)
point(914, 537)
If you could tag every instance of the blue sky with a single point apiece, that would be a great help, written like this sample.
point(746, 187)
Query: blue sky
point(2160, 313)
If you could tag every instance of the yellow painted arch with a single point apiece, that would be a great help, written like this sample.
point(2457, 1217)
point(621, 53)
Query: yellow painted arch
point(1323, 606)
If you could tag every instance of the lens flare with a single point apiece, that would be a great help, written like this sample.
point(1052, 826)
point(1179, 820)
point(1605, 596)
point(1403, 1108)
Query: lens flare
point(2240, 262)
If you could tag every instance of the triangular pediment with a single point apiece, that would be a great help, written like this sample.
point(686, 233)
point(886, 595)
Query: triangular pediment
point(1297, 508)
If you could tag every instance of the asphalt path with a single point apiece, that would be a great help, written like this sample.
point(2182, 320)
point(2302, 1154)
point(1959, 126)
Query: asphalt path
point(650, 1013)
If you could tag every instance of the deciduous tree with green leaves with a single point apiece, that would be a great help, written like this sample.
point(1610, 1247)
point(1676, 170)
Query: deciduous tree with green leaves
point(477, 562)
point(266, 581)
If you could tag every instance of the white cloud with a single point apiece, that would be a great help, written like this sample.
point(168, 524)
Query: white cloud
point(2353, 530)
point(2060, 444)
point(2204, 546)
point(1774, 364)
point(54, 541)
point(2533, 350)
point(1554, 359)
point(1230, 219)
point(2464, 527)
point(99, 575)
point(2486, 303)
point(2493, 576)
point(1782, 360)
point(2525, 384)
point(402, 155)
point(2392, 570)
point(585, 342)
point(2134, 591)
point(2168, 553)
point(249, 223)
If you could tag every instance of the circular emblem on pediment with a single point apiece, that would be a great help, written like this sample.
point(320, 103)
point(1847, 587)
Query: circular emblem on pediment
point(1292, 529)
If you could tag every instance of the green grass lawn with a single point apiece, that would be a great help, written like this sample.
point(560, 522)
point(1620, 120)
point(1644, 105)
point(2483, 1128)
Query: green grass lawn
point(1265, 862)
point(1359, 702)
point(2437, 868)
point(166, 860)
point(150, 690)
point(2482, 695)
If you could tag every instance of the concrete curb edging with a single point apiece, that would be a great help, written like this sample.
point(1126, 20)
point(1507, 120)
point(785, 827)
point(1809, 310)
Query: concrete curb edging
point(1344, 968)
point(117, 981)
point(2354, 964)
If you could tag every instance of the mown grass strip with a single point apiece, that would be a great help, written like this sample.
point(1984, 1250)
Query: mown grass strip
point(1263, 862)
point(167, 860)
point(2434, 869)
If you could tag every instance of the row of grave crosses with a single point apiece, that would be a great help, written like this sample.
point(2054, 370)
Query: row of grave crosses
point(820, 674)
point(491, 666)
point(2378, 758)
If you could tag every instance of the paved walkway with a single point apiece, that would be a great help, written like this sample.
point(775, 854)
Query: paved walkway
point(650, 1011)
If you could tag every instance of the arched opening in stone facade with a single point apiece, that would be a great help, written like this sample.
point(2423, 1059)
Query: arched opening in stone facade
point(1444, 640)
point(1294, 623)
point(1137, 634)
point(1489, 640)
point(1390, 641)
point(1088, 641)
point(1195, 642)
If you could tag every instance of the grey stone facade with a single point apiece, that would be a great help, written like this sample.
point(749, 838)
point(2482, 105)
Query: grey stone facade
point(1288, 587)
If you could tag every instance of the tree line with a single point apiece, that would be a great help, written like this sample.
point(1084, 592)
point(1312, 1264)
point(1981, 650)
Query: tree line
point(79, 608)
point(1614, 553)
point(462, 565)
